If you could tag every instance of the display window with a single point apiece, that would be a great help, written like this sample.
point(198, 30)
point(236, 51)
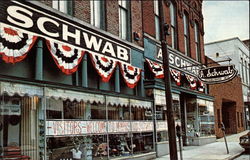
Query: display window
point(143, 142)
point(19, 131)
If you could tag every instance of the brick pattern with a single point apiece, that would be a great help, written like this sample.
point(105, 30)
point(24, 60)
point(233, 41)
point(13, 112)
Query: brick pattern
point(136, 19)
point(112, 22)
point(82, 10)
point(47, 2)
point(228, 92)
point(148, 17)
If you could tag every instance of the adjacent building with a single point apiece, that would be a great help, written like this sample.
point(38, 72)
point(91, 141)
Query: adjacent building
point(238, 52)
point(84, 79)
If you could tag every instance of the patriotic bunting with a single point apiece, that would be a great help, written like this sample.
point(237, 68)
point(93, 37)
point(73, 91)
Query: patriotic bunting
point(192, 81)
point(156, 68)
point(130, 74)
point(201, 86)
point(105, 66)
point(14, 44)
point(66, 58)
point(176, 75)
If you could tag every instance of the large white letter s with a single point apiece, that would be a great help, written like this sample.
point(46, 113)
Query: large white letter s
point(23, 20)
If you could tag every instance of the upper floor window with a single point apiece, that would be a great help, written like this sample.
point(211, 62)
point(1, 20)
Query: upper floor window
point(173, 25)
point(186, 34)
point(246, 72)
point(242, 71)
point(124, 28)
point(157, 20)
point(62, 6)
point(197, 42)
point(97, 15)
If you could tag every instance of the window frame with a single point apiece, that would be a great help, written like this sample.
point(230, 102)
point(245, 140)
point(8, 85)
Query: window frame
point(173, 23)
point(157, 19)
point(100, 12)
point(68, 6)
point(124, 7)
point(197, 41)
point(186, 34)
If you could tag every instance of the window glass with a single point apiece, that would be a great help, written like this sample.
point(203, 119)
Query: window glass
point(118, 113)
point(123, 19)
point(186, 34)
point(206, 118)
point(96, 13)
point(141, 113)
point(60, 5)
point(192, 126)
point(19, 118)
point(142, 142)
point(157, 20)
point(173, 25)
point(197, 42)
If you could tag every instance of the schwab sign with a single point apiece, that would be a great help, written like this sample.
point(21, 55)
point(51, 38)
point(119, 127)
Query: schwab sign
point(217, 74)
point(44, 23)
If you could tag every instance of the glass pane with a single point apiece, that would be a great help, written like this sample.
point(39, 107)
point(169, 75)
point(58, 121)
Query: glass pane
point(120, 145)
point(172, 14)
point(124, 24)
point(142, 142)
point(157, 28)
point(173, 37)
point(97, 13)
point(156, 7)
point(19, 127)
point(192, 127)
point(118, 113)
point(141, 113)
point(63, 6)
point(55, 4)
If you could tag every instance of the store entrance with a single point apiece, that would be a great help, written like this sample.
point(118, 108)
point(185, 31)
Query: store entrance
point(229, 116)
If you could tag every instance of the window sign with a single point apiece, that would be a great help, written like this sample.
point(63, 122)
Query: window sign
point(10, 110)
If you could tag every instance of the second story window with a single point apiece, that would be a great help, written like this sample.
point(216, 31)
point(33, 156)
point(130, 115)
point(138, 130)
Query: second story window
point(242, 71)
point(157, 20)
point(61, 5)
point(173, 25)
point(186, 34)
point(124, 30)
point(97, 13)
point(197, 42)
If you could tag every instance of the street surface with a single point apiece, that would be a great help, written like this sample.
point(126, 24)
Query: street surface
point(244, 156)
point(213, 151)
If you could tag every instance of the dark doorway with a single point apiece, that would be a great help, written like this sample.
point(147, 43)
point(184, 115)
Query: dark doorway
point(229, 116)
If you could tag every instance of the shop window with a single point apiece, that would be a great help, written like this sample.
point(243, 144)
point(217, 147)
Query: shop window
point(141, 113)
point(206, 117)
point(80, 147)
point(19, 127)
point(162, 136)
point(120, 145)
point(98, 111)
point(118, 113)
point(177, 112)
point(192, 125)
point(142, 142)
point(160, 112)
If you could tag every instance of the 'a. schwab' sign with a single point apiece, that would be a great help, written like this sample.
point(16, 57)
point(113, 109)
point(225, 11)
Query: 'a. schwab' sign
point(218, 74)
point(44, 23)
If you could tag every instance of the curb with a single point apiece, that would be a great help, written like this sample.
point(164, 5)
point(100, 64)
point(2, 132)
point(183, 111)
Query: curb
point(234, 156)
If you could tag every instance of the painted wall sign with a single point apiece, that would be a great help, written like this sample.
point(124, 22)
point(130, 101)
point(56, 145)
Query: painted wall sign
point(44, 23)
point(217, 74)
point(178, 61)
point(59, 128)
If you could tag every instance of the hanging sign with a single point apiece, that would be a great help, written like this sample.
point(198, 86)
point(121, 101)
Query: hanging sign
point(217, 74)
point(37, 21)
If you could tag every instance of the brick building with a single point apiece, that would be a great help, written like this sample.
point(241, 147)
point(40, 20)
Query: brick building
point(86, 80)
point(228, 105)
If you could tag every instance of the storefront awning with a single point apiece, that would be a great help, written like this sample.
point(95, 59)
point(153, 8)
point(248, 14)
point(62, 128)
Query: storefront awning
point(119, 101)
point(160, 98)
point(11, 89)
point(73, 95)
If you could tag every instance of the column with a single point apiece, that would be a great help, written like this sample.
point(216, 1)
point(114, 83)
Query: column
point(117, 80)
point(85, 71)
point(39, 60)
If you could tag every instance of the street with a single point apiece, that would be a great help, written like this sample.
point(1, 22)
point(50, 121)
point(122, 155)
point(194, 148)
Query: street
point(244, 156)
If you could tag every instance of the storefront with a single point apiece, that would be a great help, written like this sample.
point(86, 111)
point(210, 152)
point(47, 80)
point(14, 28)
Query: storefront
point(192, 106)
point(73, 92)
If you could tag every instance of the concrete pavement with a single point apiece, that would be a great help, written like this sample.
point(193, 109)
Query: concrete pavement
point(212, 151)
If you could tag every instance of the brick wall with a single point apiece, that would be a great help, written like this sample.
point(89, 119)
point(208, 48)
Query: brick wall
point(148, 17)
point(136, 19)
point(229, 94)
point(82, 10)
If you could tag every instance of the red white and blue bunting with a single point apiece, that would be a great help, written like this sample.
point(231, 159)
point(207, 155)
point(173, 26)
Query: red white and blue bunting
point(130, 74)
point(156, 68)
point(14, 44)
point(201, 87)
point(192, 81)
point(105, 66)
point(176, 75)
point(66, 58)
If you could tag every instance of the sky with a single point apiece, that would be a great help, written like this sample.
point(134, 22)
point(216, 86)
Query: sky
point(224, 19)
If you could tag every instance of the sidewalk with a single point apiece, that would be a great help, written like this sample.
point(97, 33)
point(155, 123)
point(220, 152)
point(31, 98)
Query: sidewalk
point(212, 151)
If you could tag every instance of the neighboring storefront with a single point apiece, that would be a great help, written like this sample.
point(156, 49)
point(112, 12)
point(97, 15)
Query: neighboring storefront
point(193, 107)
point(71, 91)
